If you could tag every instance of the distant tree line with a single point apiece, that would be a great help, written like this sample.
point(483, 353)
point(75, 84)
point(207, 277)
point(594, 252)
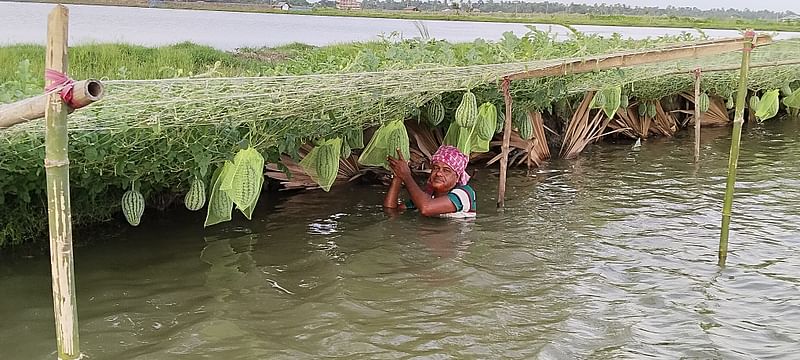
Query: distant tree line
point(541, 7)
point(547, 7)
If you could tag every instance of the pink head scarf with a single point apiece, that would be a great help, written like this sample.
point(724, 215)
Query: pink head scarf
point(455, 160)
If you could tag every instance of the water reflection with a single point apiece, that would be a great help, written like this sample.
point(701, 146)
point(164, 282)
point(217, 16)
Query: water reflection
point(231, 265)
point(610, 256)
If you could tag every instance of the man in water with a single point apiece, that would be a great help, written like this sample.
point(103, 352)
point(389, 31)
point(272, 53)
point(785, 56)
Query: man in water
point(446, 192)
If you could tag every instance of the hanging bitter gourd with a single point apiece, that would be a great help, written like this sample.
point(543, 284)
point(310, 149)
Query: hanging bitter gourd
point(753, 102)
point(703, 102)
point(243, 184)
point(435, 111)
point(195, 199)
point(787, 90)
point(245, 181)
point(132, 206)
point(355, 138)
point(487, 121)
point(327, 164)
point(220, 205)
point(524, 125)
point(624, 101)
point(467, 111)
point(501, 122)
point(346, 151)
point(322, 162)
point(611, 99)
point(651, 110)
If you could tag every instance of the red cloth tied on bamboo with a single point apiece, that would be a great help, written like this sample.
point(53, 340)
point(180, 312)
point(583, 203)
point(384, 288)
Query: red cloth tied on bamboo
point(60, 80)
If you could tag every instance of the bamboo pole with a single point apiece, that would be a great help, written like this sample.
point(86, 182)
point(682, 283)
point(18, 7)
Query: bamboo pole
point(737, 67)
point(56, 165)
point(501, 188)
point(84, 93)
point(738, 119)
point(605, 62)
point(697, 114)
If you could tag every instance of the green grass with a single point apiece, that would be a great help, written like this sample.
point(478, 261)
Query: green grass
point(121, 61)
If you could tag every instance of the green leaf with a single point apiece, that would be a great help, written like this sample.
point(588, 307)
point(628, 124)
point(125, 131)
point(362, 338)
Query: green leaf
point(220, 205)
point(612, 97)
point(768, 105)
point(598, 101)
point(451, 137)
point(248, 211)
point(793, 100)
point(247, 179)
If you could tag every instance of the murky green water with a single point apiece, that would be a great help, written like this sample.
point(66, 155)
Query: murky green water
point(609, 256)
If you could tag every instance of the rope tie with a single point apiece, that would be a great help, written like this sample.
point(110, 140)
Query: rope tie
point(55, 163)
point(752, 36)
point(61, 81)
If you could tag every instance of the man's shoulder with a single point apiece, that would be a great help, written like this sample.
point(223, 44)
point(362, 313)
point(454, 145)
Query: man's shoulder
point(466, 188)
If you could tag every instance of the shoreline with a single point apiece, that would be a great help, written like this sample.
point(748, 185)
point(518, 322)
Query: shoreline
point(526, 18)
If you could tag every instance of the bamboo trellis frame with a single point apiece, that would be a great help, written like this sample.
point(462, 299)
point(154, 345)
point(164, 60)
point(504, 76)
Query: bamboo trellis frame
point(614, 61)
point(59, 214)
point(84, 93)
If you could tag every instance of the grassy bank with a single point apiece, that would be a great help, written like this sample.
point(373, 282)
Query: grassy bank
point(121, 61)
point(525, 18)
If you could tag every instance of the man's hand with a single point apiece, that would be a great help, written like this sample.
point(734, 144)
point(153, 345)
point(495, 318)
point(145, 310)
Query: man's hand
point(400, 167)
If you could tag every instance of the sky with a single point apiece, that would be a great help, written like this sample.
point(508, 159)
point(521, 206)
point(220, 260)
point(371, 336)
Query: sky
point(774, 5)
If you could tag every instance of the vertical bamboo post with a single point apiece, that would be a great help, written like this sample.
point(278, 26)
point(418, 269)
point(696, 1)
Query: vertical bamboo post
point(501, 188)
point(59, 215)
point(697, 114)
point(738, 119)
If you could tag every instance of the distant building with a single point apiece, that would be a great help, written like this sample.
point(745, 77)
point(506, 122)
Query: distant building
point(285, 6)
point(348, 5)
point(411, 8)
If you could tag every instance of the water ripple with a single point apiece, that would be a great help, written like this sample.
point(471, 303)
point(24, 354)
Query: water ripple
point(609, 256)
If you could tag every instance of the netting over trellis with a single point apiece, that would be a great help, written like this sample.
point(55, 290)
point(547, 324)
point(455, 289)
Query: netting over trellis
point(317, 105)
point(164, 133)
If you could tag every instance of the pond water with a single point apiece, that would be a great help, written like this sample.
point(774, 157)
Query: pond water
point(609, 256)
point(27, 23)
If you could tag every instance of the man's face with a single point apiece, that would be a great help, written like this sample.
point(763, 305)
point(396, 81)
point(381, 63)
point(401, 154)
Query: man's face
point(443, 178)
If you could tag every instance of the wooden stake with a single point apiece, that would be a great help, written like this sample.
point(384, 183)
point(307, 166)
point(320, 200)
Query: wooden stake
point(501, 188)
point(56, 165)
point(697, 115)
point(738, 119)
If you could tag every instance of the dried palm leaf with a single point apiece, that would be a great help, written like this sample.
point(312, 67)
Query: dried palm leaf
point(582, 130)
point(530, 152)
point(664, 122)
point(295, 178)
point(628, 122)
point(717, 114)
